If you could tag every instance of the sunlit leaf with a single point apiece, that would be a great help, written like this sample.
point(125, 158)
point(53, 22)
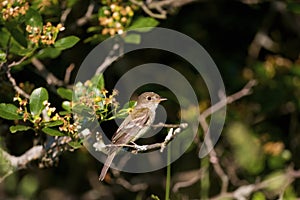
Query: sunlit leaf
point(65, 93)
point(52, 132)
point(37, 100)
point(33, 19)
point(14, 129)
point(144, 22)
point(133, 38)
point(66, 42)
point(9, 111)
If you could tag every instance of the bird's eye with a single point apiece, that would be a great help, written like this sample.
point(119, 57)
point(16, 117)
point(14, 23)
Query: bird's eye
point(149, 98)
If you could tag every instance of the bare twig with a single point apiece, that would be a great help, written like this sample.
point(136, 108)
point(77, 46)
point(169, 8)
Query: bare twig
point(83, 20)
point(20, 162)
point(17, 62)
point(68, 73)
point(132, 187)
point(65, 15)
point(244, 191)
point(48, 76)
point(160, 6)
point(196, 176)
point(243, 92)
point(202, 118)
point(15, 86)
point(113, 55)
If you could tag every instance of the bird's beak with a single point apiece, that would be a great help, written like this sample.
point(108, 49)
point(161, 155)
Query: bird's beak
point(162, 99)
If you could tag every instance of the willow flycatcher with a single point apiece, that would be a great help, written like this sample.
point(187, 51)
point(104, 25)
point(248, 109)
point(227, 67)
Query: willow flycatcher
point(134, 126)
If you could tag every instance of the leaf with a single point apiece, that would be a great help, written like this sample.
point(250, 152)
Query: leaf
point(16, 33)
point(2, 56)
point(143, 22)
point(36, 101)
point(66, 42)
point(9, 111)
point(133, 38)
point(242, 141)
point(53, 123)
point(52, 132)
point(276, 181)
point(65, 93)
point(98, 81)
point(48, 52)
point(75, 144)
point(16, 128)
point(33, 18)
point(66, 105)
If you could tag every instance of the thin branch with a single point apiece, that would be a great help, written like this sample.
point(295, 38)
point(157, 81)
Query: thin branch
point(246, 90)
point(48, 76)
point(83, 20)
point(20, 162)
point(114, 54)
point(100, 146)
point(68, 73)
point(243, 92)
point(15, 63)
point(132, 187)
point(160, 6)
point(146, 9)
point(197, 175)
point(65, 15)
point(15, 86)
point(243, 192)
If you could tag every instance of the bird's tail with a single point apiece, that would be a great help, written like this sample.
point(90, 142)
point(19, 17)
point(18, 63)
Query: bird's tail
point(107, 164)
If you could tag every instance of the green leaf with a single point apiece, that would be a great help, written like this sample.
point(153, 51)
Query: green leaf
point(65, 93)
point(242, 140)
point(66, 42)
point(276, 181)
point(143, 22)
point(9, 111)
point(132, 38)
point(16, 128)
point(66, 105)
point(75, 144)
point(53, 123)
point(98, 81)
point(33, 18)
point(48, 52)
point(52, 132)
point(2, 56)
point(36, 101)
point(16, 33)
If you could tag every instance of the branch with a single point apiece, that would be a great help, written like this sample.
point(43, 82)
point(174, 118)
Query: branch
point(83, 20)
point(100, 146)
point(160, 6)
point(114, 54)
point(202, 118)
point(236, 96)
point(15, 86)
point(243, 192)
point(20, 162)
point(48, 76)
point(15, 63)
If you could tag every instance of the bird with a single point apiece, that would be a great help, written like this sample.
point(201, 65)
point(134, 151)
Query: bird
point(134, 126)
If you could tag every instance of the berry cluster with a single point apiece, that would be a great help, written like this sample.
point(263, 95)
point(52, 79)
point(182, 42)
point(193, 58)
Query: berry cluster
point(13, 8)
point(115, 16)
point(46, 36)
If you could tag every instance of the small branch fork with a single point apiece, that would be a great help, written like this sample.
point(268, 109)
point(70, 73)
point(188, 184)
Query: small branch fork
point(246, 90)
point(158, 9)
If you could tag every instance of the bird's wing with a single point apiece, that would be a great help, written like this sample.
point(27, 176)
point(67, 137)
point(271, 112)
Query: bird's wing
point(132, 124)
